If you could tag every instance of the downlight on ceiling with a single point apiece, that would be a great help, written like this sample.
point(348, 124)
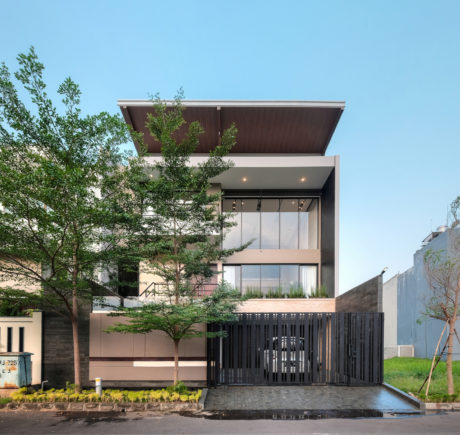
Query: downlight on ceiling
point(244, 179)
point(303, 179)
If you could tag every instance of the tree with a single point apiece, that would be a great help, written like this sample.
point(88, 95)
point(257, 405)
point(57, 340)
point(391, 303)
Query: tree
point(179, 234)
point(442, 270)
point(61, 174)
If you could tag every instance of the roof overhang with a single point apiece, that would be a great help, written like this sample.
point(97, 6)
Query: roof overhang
point(275, 172)
point(286, 127)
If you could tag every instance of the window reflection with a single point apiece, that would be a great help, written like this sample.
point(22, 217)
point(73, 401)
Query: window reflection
point(272, 277)
point(272, 223)
point(250, 278)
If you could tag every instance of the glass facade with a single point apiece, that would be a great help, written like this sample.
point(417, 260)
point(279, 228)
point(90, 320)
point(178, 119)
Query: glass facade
point(290, 223)
point(272, 277)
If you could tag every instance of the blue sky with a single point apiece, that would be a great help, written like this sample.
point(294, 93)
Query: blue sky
point(395, 63)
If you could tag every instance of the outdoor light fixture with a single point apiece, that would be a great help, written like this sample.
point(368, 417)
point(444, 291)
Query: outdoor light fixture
point(303, 179)
point(244, 179)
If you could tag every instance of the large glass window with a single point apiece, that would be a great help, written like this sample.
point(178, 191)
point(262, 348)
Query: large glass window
point(289, 277)
point(250, 278)
point(289, 225)
point(272, 223)
point(232, 236)
point(308, 278)
point(251, 222)
point(271, 277)
point(232, 275)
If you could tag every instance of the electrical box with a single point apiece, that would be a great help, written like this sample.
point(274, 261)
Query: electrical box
point(15, 369)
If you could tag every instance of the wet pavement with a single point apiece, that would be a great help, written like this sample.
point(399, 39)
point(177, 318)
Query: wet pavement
point(39, 423)
point(307, 401)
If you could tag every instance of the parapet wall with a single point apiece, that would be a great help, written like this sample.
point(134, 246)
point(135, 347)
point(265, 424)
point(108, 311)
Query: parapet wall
point(366, 297)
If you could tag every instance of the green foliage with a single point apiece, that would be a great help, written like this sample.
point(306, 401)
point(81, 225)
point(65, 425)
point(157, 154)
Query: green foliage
point(175, 226)
point(171, 394)
point(5, 400)
point(253, 293)
point(62, 182)
point(408, 375)
point(16, 303)
point(319, 292)
point(296, 292)
point(275, 293)
point(182, 320)
point(179, 387)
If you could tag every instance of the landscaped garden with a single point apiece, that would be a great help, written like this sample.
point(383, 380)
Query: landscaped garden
point(177, 393)
point(408, 374)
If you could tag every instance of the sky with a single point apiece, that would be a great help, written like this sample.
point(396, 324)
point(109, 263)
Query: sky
point(395, 63)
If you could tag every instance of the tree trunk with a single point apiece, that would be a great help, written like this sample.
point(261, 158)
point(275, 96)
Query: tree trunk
point(450, 344)
point(76, 354)
point(176, 362)
point(432, 362)
point(450, 340)
point(76, 343)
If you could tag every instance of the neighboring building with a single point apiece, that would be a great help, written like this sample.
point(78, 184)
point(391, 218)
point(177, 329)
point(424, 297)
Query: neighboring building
point(407, 331)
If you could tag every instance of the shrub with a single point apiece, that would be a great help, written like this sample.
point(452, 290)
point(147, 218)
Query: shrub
point(275, 293)
point(319, 292)
point(174, 393)
point(296, 292)
point(253, 293)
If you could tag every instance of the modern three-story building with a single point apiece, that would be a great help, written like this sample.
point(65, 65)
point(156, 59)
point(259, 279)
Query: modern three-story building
point(283, 190)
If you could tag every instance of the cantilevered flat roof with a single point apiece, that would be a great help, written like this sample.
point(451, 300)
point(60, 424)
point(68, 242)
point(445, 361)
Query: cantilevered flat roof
point(282, 127)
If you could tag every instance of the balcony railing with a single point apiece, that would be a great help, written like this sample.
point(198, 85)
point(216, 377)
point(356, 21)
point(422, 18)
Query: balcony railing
point(152, 291)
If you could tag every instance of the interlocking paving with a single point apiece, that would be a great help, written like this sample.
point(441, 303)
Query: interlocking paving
point(305, 398)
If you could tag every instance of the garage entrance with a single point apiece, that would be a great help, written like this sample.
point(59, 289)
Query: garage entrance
point(298, 349)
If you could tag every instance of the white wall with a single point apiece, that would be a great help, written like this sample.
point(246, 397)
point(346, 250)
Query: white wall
point(32, 339)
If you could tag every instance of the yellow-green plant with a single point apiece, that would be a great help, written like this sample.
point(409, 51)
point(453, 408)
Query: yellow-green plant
point(182, 394)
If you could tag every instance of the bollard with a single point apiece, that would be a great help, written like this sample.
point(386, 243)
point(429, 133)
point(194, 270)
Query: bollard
point(98, 386)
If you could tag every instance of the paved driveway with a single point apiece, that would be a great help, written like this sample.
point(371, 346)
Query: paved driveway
point(306, 398)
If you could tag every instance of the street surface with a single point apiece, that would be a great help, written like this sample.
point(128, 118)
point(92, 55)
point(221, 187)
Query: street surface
point(136, 423)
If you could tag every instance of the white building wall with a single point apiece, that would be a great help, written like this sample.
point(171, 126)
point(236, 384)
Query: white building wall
point(32, 339)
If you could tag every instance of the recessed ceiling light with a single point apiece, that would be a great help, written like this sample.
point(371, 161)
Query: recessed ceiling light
point(303, 179)
point(244, 179)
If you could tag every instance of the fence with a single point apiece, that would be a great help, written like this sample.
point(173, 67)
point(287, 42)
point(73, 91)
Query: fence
point(297, 349)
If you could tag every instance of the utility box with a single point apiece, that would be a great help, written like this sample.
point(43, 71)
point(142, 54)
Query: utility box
point(15, 369)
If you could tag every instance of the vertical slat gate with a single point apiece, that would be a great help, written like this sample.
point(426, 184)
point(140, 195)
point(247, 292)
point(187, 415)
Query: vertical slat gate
point(297, 349)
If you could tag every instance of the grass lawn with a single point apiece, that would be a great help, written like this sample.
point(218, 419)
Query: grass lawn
point(408, 375)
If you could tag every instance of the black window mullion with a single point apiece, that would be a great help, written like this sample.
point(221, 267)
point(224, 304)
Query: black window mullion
point(9, 340)
point(21, 339)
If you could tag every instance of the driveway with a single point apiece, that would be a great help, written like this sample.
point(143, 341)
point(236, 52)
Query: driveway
point(323, 401)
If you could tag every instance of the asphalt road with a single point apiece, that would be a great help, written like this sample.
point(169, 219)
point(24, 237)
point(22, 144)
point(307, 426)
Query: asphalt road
point(133, 423)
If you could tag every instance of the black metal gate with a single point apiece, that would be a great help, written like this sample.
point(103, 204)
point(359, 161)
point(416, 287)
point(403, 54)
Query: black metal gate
point(298, 349)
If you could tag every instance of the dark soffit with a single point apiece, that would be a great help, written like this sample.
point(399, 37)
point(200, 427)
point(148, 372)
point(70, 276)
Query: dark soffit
point(263, 126)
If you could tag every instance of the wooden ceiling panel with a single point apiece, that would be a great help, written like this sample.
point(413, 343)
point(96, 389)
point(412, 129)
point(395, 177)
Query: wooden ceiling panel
point(260, 129)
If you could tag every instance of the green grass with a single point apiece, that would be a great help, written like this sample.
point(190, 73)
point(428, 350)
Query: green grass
point(408, 375)
point(4, 400)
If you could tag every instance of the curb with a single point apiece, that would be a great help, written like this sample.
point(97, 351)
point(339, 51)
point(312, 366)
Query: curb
point(202, 401)
point(427, 406)
point(442, 406)
point(101, 407)
point(413, 400)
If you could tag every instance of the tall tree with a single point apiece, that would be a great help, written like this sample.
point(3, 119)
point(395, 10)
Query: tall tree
point(442, 270)
point(61, 174)
point(179, 234)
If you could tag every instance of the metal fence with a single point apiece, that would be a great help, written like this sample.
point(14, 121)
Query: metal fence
point(297, 349)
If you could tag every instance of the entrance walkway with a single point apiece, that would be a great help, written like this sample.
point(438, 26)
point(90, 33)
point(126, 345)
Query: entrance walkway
point(306, 398)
